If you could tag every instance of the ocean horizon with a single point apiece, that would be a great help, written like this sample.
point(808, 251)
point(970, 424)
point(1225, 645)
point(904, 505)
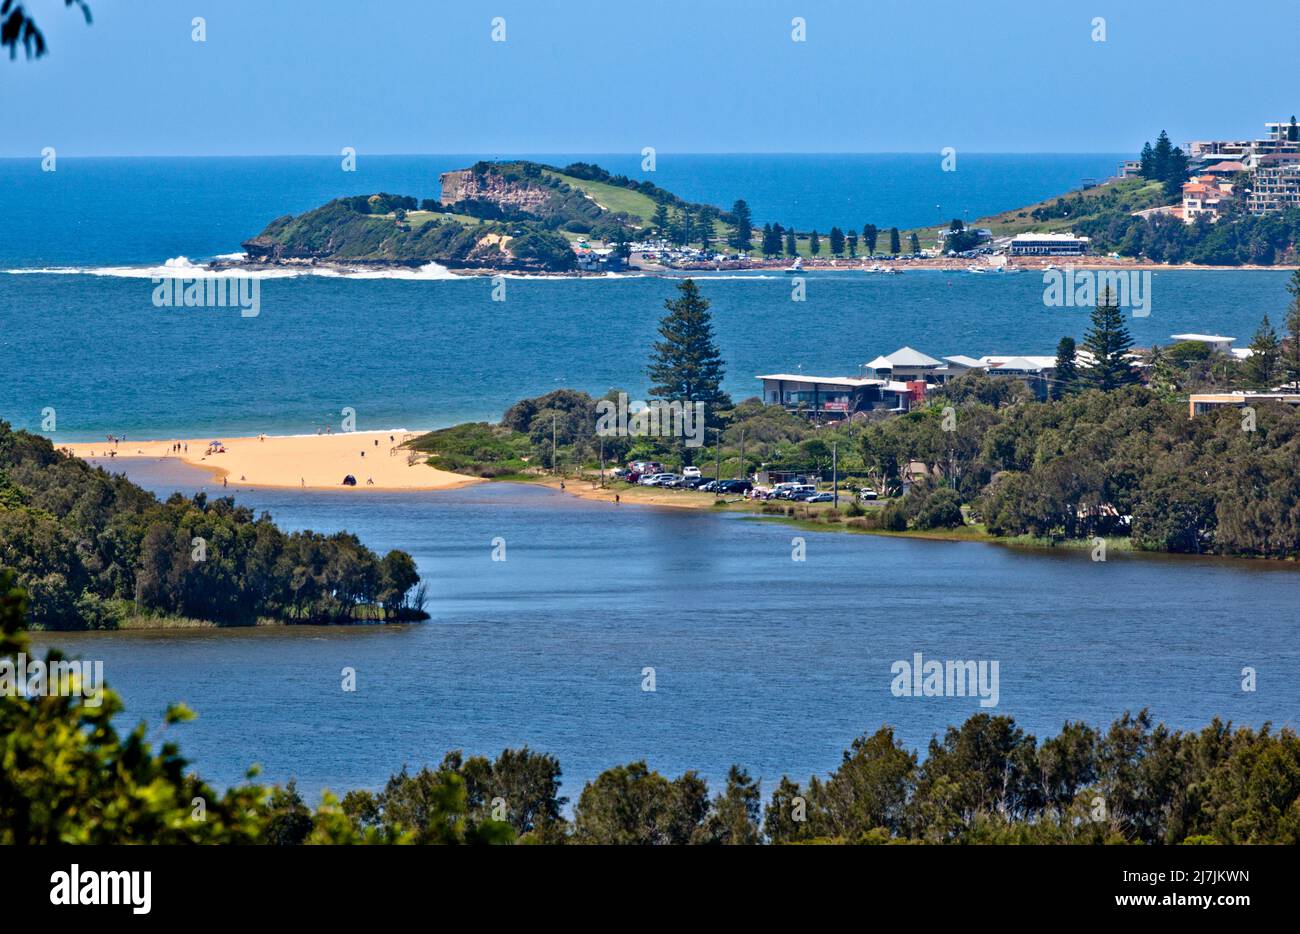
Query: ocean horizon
point(131, 210)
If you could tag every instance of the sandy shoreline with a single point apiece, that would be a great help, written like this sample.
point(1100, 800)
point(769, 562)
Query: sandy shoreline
point(293, 461)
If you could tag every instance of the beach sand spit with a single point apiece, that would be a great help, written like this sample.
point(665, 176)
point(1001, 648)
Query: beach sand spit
point(374, 458)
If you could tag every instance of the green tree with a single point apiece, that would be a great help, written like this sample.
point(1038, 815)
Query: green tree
point(851, 238)
point(791, 243)
point(742, 230)
point(1291, 345)
point(837, 242)
point(870, 234)
point(733, 820)
point(1165, 376)
point(1147, 162)
point(704, 226)
point(1067, 368)
point(633, 805)
point(1108, 342)
point(895, 247)
point(1261, 369)
point(916, 245)
point(660, 220)
point(686, 366)
point(814, 243)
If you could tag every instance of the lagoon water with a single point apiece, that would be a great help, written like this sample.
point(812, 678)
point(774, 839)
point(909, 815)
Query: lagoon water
point(758, 659)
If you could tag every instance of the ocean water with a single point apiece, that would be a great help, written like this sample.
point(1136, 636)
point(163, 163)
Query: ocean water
point(759, 660)
point(431, 353)
point(130, 211)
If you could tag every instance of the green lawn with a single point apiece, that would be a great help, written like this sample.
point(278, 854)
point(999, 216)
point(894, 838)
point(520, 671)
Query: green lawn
point(419, 218)
point(612, 197)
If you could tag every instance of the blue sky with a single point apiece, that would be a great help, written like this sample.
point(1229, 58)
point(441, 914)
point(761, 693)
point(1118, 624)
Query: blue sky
point(419, 76)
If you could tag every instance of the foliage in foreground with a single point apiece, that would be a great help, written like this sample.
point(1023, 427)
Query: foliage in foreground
point(90, 548)
point(69, 777)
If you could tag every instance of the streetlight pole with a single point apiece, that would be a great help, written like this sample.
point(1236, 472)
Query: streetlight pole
point(717, 470)
point(835, 473)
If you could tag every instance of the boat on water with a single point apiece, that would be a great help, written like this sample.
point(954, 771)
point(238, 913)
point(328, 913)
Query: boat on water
point(976, 270)
point(796, 268)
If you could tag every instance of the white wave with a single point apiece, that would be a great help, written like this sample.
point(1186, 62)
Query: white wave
point(429, 271)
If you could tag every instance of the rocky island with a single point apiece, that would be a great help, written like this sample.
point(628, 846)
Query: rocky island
point(495, 216)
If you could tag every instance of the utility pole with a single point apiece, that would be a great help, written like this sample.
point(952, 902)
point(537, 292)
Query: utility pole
point(742, 455)
point(835, 473)
point(717, 470)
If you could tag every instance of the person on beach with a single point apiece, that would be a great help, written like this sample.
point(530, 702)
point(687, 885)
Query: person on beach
point(616, 498)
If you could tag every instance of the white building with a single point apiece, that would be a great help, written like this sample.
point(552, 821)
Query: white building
point(1047, 244)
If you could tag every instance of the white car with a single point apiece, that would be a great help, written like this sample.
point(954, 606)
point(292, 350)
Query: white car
point(690, 473)
point(658, 479)
point(866, 494)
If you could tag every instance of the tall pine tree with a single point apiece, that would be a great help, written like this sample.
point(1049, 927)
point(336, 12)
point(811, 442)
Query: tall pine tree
point(895, 247)
point(1066, 379)
point(686, 366)
point(837, 242)
point(1291, 345)
point(1108, 342)
point(1261, 369)
point(742, 234)
point(870, 234)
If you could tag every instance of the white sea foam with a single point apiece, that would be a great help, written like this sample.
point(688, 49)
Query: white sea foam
point(183, 267)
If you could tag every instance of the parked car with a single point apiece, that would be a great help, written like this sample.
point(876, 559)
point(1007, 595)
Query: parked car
point(799, 491)
point(690, 472)
point(735, 486)
point(820, 498)
point(692, 483)
point(867, 495)
point(659, 479)
point(708, 486)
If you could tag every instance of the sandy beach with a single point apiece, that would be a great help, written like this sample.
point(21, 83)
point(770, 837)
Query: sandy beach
point(302, 461)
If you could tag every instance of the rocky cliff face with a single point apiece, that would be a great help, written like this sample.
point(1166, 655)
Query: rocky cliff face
point(466, 185)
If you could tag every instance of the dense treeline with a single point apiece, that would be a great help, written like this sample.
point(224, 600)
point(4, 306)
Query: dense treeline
point(1120, 463)
point(70, 778)
point(1237, 238)
point(93, 549)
